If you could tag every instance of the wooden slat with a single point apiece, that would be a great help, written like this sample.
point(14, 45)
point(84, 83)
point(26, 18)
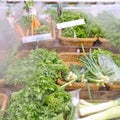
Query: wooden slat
point(100, 95)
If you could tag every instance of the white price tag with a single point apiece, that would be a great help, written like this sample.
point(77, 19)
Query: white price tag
point(34, 38)
point(70, 23)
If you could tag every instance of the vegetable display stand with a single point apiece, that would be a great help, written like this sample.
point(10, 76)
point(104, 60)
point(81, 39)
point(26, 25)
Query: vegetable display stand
point(87, 42)
point(78, 85)
point(73, 58)
point(40, 38)
point(3, 103)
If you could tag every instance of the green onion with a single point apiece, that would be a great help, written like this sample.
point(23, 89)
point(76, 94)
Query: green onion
point(96, 73)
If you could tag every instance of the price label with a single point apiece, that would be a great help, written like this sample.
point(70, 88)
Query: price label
point(70, 23)
point(34, 38)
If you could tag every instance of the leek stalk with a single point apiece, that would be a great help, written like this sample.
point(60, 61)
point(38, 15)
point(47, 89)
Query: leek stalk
point(109, 114)
point(99, 107)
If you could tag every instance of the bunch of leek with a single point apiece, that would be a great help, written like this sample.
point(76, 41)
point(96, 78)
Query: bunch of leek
point(102, 111)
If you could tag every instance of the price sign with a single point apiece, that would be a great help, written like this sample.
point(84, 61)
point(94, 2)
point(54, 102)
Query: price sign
point(70, 23)
point(34, 38)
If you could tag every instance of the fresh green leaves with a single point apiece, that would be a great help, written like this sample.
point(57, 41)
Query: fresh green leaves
point(89, 29)
point(41, 98)
point(39, 60)
point(28, 4)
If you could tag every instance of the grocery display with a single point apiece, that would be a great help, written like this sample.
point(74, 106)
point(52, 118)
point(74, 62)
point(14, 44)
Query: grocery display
point(59, 60)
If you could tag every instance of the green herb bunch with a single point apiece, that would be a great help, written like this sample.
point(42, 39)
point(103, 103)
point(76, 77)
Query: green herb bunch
point(22, 69)
point(28, 4)
point(41, 98)
point(89, 29)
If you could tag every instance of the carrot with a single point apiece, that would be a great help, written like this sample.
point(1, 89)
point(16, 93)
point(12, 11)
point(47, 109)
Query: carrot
point(19, 30)
point(36, 22)
point(32, 26)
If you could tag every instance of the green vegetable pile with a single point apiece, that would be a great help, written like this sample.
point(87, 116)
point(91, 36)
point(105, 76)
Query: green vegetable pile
point(87, 30)
point(25, 68)
point(41, 98)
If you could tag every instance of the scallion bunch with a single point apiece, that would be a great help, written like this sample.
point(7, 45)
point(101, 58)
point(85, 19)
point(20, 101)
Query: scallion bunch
point(94, 73)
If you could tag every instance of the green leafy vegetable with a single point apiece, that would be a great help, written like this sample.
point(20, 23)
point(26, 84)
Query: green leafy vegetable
point(41, 98)
point(89, 29)
point(21, 70)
